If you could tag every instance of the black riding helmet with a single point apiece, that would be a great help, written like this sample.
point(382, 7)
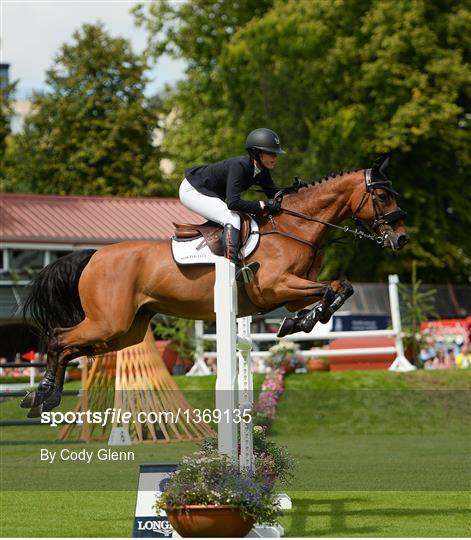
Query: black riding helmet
point(263, 139)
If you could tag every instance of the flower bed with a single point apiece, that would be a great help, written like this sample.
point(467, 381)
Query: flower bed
point(272, 388)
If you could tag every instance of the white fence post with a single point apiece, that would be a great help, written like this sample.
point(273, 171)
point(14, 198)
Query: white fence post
point(400, 363)
point(199, 367)
point(244, 347)
point(225, 305)
point(32, 374)
point(235, 393)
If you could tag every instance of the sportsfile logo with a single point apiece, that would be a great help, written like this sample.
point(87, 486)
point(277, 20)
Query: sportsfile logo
point(162, 527)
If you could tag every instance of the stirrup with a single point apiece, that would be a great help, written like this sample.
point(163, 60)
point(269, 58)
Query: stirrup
point(246, 274)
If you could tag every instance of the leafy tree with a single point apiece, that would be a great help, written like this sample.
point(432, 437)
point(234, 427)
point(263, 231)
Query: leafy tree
point(200, 130)
point(341, 82)
point(93, 132)
point(6, 113)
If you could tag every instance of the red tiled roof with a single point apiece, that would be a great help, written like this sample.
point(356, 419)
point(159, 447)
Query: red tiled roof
point(88, 220)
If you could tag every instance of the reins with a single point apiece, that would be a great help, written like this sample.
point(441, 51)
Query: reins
point(346, 229)
point(357, 233)
point(364, 233)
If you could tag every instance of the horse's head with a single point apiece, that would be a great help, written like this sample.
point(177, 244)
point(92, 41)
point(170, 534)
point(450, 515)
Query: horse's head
point(374, 201)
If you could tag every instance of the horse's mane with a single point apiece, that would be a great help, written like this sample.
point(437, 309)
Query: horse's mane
point(299, 184)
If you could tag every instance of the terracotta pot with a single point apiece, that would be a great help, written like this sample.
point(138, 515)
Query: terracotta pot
point(317, 365)
point(200, 520)
point(75, 374)
point(288, 367)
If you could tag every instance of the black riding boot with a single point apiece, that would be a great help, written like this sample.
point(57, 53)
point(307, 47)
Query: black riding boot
point(231, 244)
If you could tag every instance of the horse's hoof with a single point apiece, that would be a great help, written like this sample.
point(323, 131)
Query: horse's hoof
point(325, 317)
point(35, 412)
point(308, 323)
point(52, 402)
point(29, 400)
point(287, 327)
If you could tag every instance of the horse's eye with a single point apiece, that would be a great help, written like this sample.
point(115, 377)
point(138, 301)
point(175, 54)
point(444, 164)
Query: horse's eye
point(383, 197)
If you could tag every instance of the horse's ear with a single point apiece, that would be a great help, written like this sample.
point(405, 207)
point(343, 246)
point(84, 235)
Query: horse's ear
point(380, 166)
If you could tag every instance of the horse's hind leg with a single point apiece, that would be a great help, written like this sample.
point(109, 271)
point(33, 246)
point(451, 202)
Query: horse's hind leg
point(135, 334)
point(54, 398)
point(46, 386)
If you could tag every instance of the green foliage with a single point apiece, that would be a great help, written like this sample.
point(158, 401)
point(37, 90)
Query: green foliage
point(417, 307)
point(341, 82)
point(92, 133)
point(273, 460)
point(6, 113)
point(180, 331)
point(214, 479)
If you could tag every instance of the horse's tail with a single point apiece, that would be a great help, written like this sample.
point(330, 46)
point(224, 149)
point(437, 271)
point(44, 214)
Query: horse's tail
point(54, 300)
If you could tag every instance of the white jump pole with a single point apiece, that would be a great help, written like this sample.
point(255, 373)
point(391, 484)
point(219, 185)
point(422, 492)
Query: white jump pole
point(400, 364)
point(244, 348)
point(225, 306)
point(234, 382)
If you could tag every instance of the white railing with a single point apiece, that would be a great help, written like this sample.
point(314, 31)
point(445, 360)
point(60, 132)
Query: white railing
point(400, 362)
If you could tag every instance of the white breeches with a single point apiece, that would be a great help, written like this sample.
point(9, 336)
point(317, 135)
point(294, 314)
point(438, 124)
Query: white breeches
point(211, 208)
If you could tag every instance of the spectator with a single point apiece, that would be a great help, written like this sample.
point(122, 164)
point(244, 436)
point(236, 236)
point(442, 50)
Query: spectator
point(463, 358)
point(428, 363)
point(212, 364)
point(439, 361)
point(449, 359)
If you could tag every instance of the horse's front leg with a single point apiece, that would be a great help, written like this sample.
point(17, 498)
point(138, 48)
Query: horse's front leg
point(304, 320)
point(335, 296)
point(291, 291)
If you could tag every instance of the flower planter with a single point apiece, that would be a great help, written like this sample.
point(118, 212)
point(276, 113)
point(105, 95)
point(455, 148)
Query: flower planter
point(199, 520)
point(75, 374)
point(317, 365)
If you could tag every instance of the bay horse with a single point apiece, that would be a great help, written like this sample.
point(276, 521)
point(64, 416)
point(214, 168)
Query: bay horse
point(91, 302)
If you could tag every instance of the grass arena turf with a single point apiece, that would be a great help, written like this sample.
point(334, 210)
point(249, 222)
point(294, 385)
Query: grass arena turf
point(378, 454)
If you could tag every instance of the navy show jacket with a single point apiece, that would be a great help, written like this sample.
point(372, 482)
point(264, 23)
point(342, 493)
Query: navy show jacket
point(227, 180)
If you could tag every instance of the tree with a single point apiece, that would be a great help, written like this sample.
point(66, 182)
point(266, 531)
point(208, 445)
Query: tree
point(6, 113)
point(92, 134)
point(341, 82)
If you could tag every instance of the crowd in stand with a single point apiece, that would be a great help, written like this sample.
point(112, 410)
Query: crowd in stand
point(456, 355)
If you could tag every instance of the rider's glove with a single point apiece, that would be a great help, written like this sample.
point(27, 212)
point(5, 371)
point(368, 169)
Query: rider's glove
point(272, 205)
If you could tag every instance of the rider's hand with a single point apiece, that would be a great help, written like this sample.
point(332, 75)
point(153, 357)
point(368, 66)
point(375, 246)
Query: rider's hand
point(272, 205)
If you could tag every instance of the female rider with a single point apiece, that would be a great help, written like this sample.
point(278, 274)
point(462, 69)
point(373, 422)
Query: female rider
point(214, 191)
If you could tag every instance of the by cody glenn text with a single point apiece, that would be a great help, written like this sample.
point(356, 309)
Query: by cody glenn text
point(84, 455)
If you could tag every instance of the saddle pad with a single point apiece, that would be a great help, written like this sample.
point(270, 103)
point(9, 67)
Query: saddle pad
point(196, 250)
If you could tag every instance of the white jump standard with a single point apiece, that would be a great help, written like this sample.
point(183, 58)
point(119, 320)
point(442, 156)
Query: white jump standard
point(234, 383)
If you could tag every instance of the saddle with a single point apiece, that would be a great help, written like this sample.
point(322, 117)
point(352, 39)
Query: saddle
point(211, 232)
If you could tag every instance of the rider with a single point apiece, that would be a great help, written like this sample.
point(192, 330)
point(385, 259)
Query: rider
point(214, 191)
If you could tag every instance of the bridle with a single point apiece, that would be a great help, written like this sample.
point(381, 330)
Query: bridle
point(381, 219)
point(362, 231)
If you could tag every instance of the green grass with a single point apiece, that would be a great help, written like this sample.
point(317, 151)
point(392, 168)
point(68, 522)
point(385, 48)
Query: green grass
point(378, 454)
point(314, 514)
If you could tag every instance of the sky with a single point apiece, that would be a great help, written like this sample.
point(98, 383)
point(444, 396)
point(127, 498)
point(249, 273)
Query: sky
point(32, 32)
